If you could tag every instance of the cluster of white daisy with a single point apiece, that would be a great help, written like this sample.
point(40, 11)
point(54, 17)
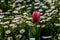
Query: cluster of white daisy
point(17, 19)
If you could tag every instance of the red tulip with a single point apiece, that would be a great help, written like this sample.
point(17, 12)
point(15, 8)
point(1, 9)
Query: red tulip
point(36, 16)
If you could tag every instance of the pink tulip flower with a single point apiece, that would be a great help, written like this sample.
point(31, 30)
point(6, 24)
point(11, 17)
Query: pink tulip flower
point(36, 16)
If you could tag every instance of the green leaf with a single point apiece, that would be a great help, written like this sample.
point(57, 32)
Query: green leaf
point(33, 30)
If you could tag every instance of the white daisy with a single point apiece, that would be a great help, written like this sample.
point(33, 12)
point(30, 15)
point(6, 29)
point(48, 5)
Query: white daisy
point(0, 20)
point(23, 7)
point(38, 25)
point(0, 10)
point(30, 5)
point(5, 26)
point(15, 11)
point(2, 23)
point(24, 13)
point(42, 17)
point(36, 3)
point(8, 32)
point(59, 38)
point(59, 35)
point(17, 18)
point(41, 4)
point(43, 20)
point(30, 24)
point(1, 16)
point(31, 38)
point(48, 18)
point(13, 20)
point(58, 18)
point(19, 35)
point(6, 18)
point(46, 37)
point(40, 10)
point(17, 8)
point(56, 24)
point(29, 18)
point(36, 7)
point(7, 22)
point(52, 7)
point(45, 7)
point(13, 25)
point(7, 13)
point(43, 26)
point(9, 38)
point(22, 31)
point(59, 13)
point(2, 0)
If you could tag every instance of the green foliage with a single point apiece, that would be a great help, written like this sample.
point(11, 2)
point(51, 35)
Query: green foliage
point(5, 6)
point(47, 4)
point(56, 3)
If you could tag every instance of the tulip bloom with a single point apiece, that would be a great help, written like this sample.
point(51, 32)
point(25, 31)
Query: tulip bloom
point(36, 16)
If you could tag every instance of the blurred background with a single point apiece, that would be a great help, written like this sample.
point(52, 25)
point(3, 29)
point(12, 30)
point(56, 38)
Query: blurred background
point(16, 20)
